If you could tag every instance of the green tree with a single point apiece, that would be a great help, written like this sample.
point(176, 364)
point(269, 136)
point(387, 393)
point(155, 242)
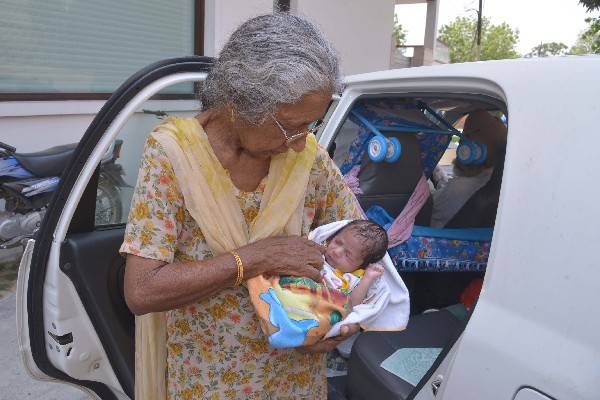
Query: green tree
point(399, 33)
point(497, 41)
point(584, 44)
point(548, 49)
point(592, 34)
point(591, 5)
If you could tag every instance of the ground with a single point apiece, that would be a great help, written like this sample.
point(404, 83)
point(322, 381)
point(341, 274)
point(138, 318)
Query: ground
point(9, 266)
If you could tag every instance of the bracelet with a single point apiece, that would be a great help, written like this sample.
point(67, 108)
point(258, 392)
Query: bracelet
point(240, 266)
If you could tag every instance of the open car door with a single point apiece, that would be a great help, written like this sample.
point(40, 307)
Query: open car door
point(73, 323)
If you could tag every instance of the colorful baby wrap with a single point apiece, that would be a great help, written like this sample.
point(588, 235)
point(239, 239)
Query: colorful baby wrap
point(300, 311)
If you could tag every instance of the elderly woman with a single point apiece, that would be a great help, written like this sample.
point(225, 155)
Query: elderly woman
point(227, 197)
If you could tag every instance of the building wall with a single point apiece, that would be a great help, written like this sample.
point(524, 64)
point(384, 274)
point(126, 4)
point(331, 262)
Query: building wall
point(360, 30)
point(37, 125)
point(222, 17)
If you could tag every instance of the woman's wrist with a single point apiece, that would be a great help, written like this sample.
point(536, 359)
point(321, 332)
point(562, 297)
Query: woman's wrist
point(251, 259)
point(240, 268)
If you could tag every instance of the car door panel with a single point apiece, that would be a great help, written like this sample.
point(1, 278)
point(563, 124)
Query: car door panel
point(93, 264)
point(74, 274)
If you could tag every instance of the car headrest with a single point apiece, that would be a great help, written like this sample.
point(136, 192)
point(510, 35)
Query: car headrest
point(390, 185)
point(400, 176)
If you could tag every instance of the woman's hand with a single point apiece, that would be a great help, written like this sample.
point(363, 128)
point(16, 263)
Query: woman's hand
point(287, 256)
point(327, 345)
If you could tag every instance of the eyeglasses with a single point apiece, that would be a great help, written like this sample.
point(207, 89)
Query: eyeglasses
point(312, 128)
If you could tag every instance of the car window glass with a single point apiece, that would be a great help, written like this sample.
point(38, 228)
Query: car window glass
point(119, 168)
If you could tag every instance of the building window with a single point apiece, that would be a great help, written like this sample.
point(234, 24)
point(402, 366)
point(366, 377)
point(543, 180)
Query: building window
point(81, 49)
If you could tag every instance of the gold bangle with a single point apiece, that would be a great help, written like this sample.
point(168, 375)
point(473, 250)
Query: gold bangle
point(240, 266)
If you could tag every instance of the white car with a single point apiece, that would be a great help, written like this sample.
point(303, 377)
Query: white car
point(532, 334)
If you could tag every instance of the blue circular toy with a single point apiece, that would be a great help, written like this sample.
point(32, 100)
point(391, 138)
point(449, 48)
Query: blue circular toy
point(480, 152)
point(394, 149)
point(466, 152)
point(378, 148)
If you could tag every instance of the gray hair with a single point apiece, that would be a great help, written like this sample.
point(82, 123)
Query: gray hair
point(271, 60)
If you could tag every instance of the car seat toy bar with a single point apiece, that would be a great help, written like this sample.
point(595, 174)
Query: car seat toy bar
point(380, 148)
point(468, 151)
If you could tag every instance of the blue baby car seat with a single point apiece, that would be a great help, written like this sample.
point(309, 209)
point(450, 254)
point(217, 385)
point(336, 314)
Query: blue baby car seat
point(387, 186)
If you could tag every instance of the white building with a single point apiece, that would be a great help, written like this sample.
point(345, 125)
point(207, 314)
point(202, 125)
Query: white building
point(60, 60)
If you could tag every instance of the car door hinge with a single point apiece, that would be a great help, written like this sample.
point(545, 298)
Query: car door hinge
point(436, 383)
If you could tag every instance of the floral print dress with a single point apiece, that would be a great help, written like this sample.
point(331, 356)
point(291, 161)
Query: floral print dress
point(216, 349)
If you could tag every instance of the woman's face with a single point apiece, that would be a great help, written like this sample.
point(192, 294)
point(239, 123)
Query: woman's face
point(268, 139)
point(344, 252)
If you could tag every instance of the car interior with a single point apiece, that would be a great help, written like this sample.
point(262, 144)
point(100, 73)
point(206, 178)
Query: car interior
point(426, 129)
point(437, 314)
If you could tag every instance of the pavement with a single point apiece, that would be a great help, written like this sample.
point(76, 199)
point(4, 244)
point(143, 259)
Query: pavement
point(15, 382)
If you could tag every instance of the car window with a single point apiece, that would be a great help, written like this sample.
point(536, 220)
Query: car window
point(426, 132)
point(120, 166)
point(432, 126)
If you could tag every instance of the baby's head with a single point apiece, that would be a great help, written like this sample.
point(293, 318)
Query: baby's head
point(356, 245)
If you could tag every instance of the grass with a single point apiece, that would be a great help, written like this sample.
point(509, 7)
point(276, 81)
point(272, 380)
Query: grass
point(8, 277)
point(12, 276)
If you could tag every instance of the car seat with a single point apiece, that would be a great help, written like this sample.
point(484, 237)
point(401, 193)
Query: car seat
point(390, 185)
point(479, 211)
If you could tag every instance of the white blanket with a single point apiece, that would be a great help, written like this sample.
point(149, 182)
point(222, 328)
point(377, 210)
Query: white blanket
point(387, 306)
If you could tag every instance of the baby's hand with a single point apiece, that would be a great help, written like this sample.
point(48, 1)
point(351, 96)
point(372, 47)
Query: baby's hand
point(373, 271)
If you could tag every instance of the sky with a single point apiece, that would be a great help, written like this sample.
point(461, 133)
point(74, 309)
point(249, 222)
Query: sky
point(536, 20)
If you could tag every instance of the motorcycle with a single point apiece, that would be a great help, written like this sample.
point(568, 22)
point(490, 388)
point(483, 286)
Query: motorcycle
point(28, 180)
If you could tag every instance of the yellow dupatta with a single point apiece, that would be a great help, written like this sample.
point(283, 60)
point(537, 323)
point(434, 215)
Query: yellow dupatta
point(209, 198)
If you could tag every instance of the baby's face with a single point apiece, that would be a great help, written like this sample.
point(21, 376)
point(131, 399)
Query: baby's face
point(345, 252)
